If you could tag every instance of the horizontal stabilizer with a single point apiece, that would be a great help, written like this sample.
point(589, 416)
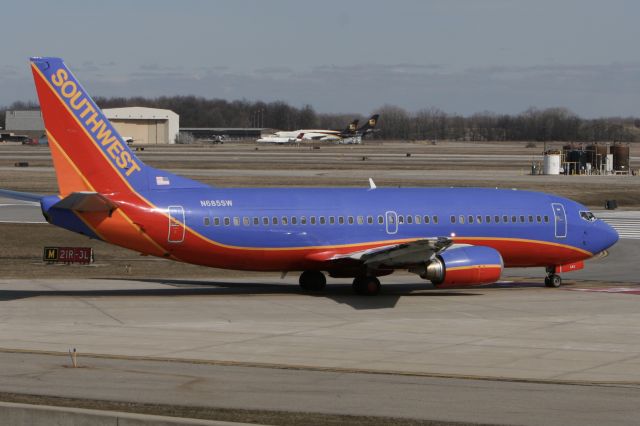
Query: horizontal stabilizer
point(24, 196)
point(86, 202)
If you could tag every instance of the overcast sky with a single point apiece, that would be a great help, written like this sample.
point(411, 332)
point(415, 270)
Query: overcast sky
point(462, 56)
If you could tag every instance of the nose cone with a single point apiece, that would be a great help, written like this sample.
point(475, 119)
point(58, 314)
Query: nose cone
point(606, 236)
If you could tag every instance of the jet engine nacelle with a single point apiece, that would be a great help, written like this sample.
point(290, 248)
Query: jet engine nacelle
point(464, 266)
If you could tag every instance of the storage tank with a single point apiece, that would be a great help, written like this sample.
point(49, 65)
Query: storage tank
point(566, 148)
point(597, 156)
point(608, 165)
point(551, 163)
point(576, 160)
point(620, 157)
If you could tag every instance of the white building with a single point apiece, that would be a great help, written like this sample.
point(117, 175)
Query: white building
point(145, 125)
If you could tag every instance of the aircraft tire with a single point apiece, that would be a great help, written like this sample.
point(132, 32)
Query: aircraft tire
point(366, 286)
point(312, 281)
point(553, 281)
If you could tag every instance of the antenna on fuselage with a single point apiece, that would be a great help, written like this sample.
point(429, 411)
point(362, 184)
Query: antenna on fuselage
point(372, 184)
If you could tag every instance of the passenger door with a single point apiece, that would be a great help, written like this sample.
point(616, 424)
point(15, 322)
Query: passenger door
point(176, 224)
point(560, 220)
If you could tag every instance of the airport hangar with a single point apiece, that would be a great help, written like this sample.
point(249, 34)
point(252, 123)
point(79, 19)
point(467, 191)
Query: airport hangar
point(146, 126)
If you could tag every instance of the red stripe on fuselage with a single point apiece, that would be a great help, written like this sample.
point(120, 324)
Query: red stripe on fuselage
point(522, 253)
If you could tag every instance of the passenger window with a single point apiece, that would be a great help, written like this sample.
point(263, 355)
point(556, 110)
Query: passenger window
point(470, 219)
point(496, 219)
point(400, 219)
point(539, 219)
point(265, 220)
point(207, 221)
point(546, 219)
point(530, 219)
point(521, 219)
point(461, 219)
point(409, 219)
point(294, 220)
point(312, 220)
point(350, 220)
point(227, 221)
point(435, 220)
point(332, 220)
point(514, 219)
point(284, 221)
point(246, 221)
point(274, 220)
point(322, 220)
point(487, 219)
point(479, 219)
point(453, 219)
point(418, 220)
point(505, 219)
point(426, 219)
point(256, 221)
point(360, 220)
point(341, 220)
point(303, 220)
point(370, 220)
point(216, 221)
point(236, 221)
point(380, 219)
point(391, 219)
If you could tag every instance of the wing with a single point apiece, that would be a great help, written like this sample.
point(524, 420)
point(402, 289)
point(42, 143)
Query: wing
point(402, 255)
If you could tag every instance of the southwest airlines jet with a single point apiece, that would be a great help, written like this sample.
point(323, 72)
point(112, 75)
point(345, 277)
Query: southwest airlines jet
point(449, 236)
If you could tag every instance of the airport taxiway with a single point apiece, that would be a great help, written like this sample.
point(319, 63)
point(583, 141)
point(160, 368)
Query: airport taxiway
point(410, 352)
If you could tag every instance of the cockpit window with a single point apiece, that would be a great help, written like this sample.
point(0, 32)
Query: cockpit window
point(588, 216)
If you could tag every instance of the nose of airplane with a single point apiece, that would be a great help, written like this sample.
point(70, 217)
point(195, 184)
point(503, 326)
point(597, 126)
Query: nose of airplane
point(606, 235)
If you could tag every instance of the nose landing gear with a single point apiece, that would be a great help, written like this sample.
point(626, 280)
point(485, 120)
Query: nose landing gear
point(552, 280)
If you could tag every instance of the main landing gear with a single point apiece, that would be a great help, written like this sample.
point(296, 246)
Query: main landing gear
point(316, 281)
point(552, 280)
point(313, 281)
point(366, 285)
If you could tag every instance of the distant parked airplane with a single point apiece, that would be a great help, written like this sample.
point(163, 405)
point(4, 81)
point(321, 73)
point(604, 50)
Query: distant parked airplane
point(297, 136)
point(450, 236)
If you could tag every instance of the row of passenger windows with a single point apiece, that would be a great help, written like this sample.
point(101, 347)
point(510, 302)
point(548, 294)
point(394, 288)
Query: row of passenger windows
point(369, 220)
point(498, 219)
point(319, 220)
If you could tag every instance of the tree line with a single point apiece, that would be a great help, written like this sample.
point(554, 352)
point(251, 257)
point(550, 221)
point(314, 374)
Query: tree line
point(550, 124)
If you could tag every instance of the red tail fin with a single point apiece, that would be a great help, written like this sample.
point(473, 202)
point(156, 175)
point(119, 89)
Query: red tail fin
point(88, 153)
